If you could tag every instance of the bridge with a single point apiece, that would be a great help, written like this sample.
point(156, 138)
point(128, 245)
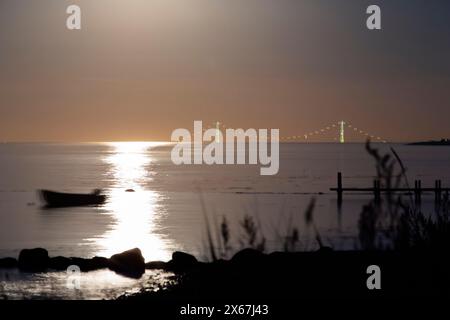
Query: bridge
point(338, 132)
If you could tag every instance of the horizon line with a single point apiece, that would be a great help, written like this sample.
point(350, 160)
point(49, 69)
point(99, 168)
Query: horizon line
point(206, 142)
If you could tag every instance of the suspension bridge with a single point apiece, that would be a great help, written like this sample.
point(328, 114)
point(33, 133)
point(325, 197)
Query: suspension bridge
point(338, 132)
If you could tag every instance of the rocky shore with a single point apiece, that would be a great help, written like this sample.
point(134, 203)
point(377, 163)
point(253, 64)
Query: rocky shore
point(252, 275)
point(278, 275)
point(129, 263)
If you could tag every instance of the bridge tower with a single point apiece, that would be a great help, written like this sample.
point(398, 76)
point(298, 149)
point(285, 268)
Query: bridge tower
point(341, 132)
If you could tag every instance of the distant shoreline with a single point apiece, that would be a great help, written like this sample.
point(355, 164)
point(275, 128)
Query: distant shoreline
point(442, 142)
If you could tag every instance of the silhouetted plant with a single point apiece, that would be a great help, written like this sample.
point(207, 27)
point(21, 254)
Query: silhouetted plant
point(252, 237)
point(397, 224)
point(211, 247)
point(291, 241)
point(225, 233)
point(389, 224)
point(309, 220)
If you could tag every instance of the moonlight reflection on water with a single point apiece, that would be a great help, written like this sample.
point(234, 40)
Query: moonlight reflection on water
point(135, 213)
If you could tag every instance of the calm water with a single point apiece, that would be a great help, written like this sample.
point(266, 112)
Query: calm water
point(164, 214)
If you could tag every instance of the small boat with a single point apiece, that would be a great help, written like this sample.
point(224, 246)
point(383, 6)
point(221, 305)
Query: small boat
point(61, 199)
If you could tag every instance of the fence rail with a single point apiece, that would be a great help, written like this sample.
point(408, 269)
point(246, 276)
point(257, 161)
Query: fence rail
point(377, 189)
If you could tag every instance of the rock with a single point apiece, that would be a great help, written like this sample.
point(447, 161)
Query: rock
point(129, 190)
point(156, 265)
point(182, 261)
point(33, 260)
point(248, 257)
point(100, 262)
point(95, 263)
point(8, 263)
point(130, 263)
point(60, 263)
point(82, 263)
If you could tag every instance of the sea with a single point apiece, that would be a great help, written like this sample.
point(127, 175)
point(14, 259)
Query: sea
point(172, 207)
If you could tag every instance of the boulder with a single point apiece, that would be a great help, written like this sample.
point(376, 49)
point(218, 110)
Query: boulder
point(100, 262)
point(59, 263)
point(33, 260)
point(129, 263)
point(95, 263)
point(82, 263)
point(8, 263)
point(182, 261)
point(248, 257)
point(156, 265)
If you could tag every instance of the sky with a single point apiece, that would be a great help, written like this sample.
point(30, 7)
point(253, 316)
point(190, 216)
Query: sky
point(139, 69)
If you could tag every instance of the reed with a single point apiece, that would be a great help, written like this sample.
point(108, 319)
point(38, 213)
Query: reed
point(397, 223)
point(250, 234)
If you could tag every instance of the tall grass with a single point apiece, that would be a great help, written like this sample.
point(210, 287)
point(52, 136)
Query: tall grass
point(250, 234)
point(398, 222)
point(395, 222)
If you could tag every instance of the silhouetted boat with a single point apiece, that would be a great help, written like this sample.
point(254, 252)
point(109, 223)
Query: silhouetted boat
point(60, 199)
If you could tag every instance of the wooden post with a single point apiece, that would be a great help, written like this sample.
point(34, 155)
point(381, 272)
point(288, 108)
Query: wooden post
point(437, 191)
point(418, 191)
point(415, 190)
point(339, 188)
point(379, 189)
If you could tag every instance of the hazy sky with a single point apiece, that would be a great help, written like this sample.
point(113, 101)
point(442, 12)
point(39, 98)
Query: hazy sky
point(139, 69)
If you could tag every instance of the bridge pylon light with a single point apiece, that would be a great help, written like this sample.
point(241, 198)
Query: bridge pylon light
point(341, 132)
